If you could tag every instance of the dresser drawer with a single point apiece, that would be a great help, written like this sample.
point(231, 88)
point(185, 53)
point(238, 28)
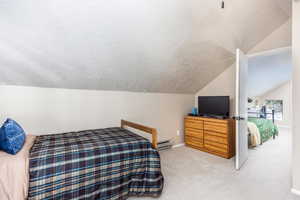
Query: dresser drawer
point(216, 137)
point(198, 133)
point(217, 134)
point(196, 124)
point(194, 141)
point(216, 127)
point(212, 146)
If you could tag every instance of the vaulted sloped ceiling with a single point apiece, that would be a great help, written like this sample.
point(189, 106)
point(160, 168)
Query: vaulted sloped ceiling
point(268, 71)
point(286, 6)
point(173, 46)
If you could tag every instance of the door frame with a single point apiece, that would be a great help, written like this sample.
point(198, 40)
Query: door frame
point(269, 52)
point(262, 53)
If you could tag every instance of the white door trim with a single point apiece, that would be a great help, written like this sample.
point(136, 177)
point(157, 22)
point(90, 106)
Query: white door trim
point(270, 52)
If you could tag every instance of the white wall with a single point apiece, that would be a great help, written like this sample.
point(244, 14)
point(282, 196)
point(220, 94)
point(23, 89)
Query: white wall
point(296, 96)
point(284, 93)
point(48, 110)
point(223, 85)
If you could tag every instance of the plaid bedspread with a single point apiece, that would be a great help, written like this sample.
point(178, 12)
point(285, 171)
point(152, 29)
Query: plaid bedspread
point(111, 163)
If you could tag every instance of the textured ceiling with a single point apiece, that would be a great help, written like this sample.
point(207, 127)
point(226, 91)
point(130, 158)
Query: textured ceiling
point(268, 71)
point(285, 5)
point(281, 37)
point(172, 46)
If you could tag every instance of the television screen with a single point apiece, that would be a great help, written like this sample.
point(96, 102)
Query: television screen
point(213, 105)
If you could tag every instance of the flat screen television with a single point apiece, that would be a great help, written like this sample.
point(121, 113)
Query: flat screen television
point(213, 106)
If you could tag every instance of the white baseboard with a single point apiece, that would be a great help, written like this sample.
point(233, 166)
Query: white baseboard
point(296, 192)
point(178, 145)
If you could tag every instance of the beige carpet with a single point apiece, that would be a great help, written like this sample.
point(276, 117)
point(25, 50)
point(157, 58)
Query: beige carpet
point(191, 174)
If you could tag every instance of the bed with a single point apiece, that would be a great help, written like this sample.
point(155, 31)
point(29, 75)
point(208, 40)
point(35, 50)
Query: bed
point(265, 127)
point(111, 163)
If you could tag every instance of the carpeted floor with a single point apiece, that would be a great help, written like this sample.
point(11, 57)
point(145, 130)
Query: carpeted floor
point(192, 175)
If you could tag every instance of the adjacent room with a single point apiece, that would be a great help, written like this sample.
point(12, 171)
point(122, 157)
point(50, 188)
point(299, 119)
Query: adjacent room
point(269, 96)
point(139, 99)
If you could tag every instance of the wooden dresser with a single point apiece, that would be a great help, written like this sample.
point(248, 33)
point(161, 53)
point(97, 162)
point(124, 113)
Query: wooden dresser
point(211, 135)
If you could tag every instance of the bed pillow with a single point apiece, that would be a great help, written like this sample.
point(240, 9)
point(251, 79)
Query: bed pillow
point(12, 137)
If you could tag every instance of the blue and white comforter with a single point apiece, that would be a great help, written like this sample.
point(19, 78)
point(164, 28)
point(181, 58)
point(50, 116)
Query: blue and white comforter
point(111, 163)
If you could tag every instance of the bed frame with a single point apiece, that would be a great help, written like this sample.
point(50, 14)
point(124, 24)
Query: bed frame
point(143, 128)
point(264, 115)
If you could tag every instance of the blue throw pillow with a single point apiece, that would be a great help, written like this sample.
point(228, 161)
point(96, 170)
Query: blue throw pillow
point(12, 137)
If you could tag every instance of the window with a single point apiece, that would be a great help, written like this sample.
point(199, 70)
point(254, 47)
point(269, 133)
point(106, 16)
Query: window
point(277, 106)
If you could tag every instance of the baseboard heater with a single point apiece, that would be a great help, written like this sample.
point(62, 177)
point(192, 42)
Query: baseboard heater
point(164, 145)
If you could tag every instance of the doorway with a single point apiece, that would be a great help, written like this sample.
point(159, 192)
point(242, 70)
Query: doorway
point(263, 101)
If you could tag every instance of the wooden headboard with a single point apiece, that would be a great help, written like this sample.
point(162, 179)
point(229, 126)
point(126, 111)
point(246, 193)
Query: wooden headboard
point(143, 128)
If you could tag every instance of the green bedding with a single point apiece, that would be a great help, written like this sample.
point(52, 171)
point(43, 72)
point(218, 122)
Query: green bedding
point(266, 128)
